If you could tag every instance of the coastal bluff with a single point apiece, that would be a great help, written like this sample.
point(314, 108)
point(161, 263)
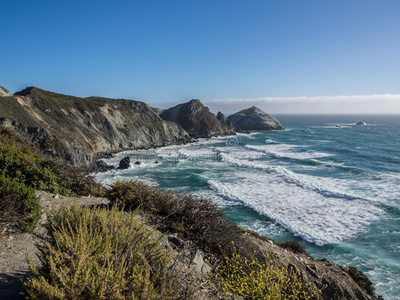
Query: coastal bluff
point(254, 118)
point(82, 130)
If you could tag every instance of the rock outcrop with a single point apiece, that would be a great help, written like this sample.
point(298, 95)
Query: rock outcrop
point(361, 123)
point(333, 280)
point(81, 130)
point(197, 119)
point(125, 163)
point(4, 92)
point(254, 118)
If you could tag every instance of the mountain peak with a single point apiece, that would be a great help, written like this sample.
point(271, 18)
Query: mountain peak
point(28, 90)
point(250, 111)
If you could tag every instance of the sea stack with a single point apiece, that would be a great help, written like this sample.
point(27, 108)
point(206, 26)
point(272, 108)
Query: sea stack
point(254, 118)
point(197, 120)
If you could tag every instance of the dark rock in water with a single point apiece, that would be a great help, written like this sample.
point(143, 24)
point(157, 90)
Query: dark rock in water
point(102, 166)
point(156, 162)
point(138, 163)
point(361, 123)
point(254, 118)
point(124, 163)
point(197, 119)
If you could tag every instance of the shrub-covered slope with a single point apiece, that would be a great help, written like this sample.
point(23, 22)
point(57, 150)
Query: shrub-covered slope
point(78, 129)
point(23, 169)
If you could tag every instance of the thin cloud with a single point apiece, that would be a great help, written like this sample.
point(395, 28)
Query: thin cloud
point(343, 104)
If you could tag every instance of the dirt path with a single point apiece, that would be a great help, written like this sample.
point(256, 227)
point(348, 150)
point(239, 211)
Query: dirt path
point(13, 247)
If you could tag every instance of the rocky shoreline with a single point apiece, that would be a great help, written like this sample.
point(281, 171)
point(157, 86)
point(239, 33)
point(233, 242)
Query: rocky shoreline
point(83, 130)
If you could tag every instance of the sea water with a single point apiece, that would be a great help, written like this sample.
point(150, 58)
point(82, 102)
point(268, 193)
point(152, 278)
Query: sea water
point(325, 182)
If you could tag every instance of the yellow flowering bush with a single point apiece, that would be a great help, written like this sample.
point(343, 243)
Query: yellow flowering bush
point(266, 278)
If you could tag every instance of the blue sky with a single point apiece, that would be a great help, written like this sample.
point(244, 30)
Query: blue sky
point(164, 52)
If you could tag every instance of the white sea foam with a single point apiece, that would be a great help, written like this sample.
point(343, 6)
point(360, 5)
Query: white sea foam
point(269, 141)
point(281, 151)
point(305, 213)
point(320, 185)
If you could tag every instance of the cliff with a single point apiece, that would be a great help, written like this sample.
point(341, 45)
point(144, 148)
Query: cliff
point(197, 119)
point(81, 130)
point(254, 118)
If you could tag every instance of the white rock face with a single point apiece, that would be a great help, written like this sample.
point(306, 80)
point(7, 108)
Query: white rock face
point(4, 92)
point(254, 118)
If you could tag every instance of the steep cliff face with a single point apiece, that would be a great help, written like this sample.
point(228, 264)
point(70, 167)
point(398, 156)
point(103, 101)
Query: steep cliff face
point(254, 118)
point(82, 129)
point(197, 119)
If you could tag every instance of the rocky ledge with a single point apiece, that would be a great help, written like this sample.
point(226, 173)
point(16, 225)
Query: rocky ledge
point(254, 118)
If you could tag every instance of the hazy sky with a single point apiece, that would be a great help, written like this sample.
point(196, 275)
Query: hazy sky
point(298, 56)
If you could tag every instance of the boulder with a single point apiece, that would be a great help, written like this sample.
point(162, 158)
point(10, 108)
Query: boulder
point(254, 118)
point(361, 123)
point(199, 265)
point(124, 163)
point(102, 166)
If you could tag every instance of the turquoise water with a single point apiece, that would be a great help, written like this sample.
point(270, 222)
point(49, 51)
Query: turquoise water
point(333, 189)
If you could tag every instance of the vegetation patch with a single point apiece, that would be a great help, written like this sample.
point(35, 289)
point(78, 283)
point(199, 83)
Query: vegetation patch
point(100, 254)
point(361, 279)
point(192, 217)
point(293, 246)
point(18, 204)
point(252, 278)
point(24, 169)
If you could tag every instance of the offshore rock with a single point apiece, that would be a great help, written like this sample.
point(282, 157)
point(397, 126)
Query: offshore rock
point(124, 163)
point(254, 118)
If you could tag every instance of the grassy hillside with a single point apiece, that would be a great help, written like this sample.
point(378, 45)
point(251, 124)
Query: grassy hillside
point(75, 127)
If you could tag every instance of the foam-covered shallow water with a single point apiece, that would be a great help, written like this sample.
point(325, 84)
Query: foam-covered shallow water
point(333, 189)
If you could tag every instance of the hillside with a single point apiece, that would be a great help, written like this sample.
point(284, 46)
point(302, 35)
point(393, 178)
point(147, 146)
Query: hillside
point(83, 129)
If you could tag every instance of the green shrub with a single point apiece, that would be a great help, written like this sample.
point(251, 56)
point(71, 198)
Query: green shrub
point(18, 204)
point(100, 254)
point(23, 161)
point(361, 280)
point(192, 217)
point(269, 278)
point(27, 168)
point(293, 246)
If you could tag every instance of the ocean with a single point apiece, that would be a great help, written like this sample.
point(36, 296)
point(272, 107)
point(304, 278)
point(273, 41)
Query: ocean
point(333, 189)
